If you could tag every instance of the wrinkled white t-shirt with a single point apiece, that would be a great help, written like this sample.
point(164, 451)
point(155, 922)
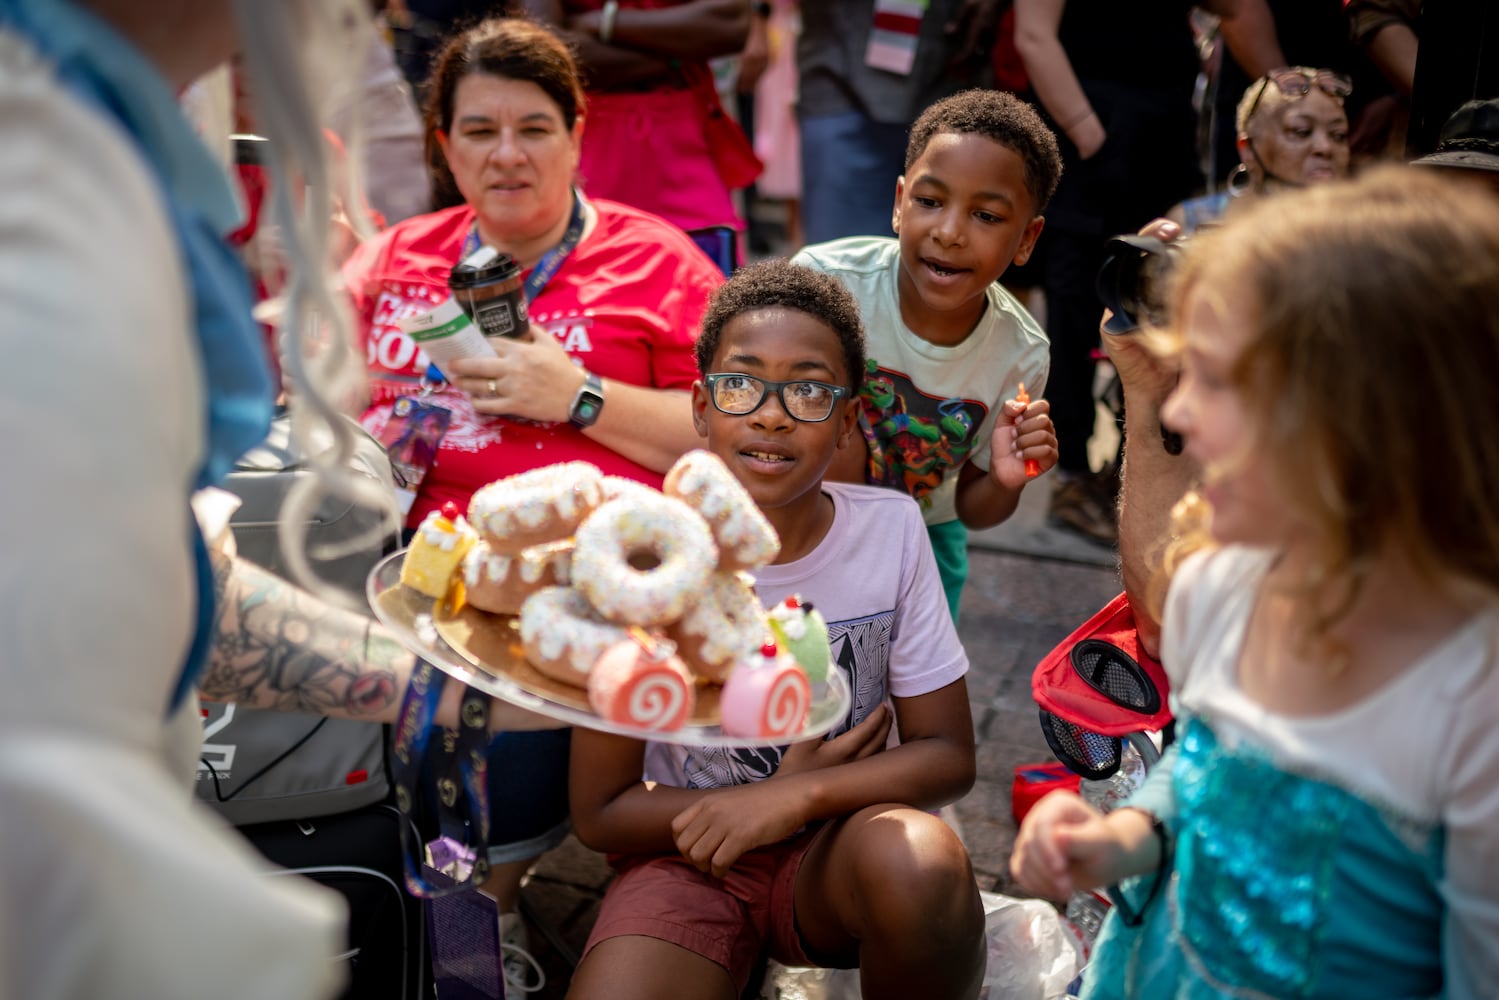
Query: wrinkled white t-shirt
point(113, 882)
point(874, 579)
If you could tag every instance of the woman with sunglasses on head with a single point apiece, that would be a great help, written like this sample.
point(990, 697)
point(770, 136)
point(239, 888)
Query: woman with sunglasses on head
point(1293, 131)
point(602, 375)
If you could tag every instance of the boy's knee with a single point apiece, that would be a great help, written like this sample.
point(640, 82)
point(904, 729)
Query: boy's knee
point(920, 902)
point(914, 860)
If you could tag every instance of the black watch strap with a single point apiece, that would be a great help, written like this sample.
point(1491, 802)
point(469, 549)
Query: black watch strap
point(588, 402)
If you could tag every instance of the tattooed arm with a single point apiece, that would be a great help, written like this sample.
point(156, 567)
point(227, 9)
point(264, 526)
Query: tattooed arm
point(276, 646)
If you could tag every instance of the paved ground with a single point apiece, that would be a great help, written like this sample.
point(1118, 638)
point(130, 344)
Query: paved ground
point(1029, 586)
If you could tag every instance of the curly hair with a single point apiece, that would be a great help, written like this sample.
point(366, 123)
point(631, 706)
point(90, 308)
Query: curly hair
point(1007, 120)
point(780, 283)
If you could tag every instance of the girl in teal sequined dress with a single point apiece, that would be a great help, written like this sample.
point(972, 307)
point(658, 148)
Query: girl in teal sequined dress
point(1326, 823)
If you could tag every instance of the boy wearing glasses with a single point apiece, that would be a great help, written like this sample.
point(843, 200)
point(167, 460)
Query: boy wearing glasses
point(948, 347)
point(819, 853)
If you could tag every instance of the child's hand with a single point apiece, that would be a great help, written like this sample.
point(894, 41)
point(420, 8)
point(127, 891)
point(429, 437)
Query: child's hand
point(717, 829)
point(1064, 845)
point(867, 738)
point(1024, 432)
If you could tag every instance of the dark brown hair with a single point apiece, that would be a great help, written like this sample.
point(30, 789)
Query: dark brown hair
point(510, 47)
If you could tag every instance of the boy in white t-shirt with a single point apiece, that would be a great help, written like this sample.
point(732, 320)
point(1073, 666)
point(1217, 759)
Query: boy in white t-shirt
point(821, 853)
point(948, 347)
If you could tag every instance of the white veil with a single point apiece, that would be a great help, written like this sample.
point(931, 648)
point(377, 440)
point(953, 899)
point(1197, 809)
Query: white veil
point(303, 60)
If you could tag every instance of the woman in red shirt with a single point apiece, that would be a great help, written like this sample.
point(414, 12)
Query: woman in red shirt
point(604, 372)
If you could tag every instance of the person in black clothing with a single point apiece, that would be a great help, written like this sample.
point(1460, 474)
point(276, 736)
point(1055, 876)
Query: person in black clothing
point(420, 27)
point(1116, 80)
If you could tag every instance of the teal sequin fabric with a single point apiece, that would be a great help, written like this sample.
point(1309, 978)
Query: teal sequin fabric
point(1252, 905)
point(1284, 886)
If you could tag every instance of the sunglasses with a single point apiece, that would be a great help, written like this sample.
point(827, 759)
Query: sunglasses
point(1297, 81)
point(804, 400)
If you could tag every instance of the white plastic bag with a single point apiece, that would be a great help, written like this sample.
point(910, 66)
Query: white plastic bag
point(785, 982)
point(1033, 955)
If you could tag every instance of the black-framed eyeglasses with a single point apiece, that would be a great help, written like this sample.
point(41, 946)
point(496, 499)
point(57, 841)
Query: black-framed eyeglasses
point(1297, 81)
point(805, 400)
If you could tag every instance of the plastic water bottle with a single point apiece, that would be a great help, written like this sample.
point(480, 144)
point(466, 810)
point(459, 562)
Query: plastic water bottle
point(1113, 791)
point(1085, 912)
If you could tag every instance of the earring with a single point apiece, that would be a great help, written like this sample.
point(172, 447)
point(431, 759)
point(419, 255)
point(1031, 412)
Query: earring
point(1239, 181)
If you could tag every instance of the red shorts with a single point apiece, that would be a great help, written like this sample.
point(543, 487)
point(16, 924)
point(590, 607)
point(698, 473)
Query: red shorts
point(728, 921)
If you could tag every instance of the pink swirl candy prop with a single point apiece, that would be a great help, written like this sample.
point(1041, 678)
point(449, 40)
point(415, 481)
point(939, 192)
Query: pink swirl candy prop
point(766, 701)
point(641, 687)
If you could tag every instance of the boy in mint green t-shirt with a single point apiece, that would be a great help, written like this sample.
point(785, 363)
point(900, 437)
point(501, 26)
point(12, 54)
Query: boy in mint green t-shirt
point(948, 347)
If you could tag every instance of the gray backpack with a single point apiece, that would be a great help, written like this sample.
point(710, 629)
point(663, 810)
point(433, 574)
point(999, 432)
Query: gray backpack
point(260, 765)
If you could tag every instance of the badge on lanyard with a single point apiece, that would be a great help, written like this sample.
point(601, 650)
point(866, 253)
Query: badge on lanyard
point(893, 36)
point(411, 438)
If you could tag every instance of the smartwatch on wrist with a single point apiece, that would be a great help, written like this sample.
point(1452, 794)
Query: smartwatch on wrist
point(588, 402)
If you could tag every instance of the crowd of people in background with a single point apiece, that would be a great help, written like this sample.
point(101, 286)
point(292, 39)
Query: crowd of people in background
point(1153, 110)
point(942, 179)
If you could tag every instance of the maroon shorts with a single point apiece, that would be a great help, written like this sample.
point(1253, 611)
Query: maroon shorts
point(728, 921)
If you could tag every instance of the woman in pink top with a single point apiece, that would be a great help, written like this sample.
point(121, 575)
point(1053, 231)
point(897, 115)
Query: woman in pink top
point(657, 137)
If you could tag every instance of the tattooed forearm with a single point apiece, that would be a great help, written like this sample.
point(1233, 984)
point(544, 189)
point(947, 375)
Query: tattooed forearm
point(276, 646)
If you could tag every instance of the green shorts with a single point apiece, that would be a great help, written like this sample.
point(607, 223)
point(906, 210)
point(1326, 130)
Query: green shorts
point(950, 544)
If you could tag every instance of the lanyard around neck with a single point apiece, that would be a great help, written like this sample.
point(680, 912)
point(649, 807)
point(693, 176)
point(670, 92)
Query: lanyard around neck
point(544, 271)
point(551, 261)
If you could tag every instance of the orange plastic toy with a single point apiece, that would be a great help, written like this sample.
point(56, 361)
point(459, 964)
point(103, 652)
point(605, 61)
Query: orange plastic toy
point(1032, 467)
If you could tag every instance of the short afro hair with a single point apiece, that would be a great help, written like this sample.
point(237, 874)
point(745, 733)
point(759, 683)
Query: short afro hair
point(778, 283)
point(1007, 120)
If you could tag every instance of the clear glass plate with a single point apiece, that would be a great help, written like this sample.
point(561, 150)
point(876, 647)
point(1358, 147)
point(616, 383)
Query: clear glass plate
point(484, 651)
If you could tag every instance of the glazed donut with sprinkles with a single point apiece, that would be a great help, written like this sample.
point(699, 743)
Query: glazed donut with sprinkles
point(638, 598)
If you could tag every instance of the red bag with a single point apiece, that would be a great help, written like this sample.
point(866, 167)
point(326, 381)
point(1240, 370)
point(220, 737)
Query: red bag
point(733, 154)
point(1009, 68)
point(1033, 781)
point(1096, 686)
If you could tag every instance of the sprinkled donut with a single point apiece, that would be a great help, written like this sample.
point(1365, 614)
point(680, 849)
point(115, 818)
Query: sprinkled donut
point(562, 635)
point(745, 539)
point(542, 505)
point(660, 533)
point(642, 685)
point(726, 623)
point(767, 695)
point(501, 583)
point(621, 488)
